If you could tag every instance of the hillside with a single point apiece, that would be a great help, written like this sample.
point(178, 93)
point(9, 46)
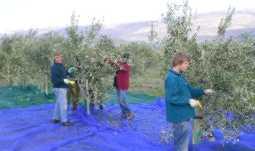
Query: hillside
point(243, 22)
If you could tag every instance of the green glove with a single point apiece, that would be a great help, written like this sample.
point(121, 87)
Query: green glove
point(72, 70)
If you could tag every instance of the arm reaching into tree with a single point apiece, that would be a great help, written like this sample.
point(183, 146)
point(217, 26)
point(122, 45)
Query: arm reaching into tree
point(197, 92)
point(116, 63)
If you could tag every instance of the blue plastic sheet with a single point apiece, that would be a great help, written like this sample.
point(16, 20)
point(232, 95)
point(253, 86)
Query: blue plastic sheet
point(30, 129)
point(218, 134)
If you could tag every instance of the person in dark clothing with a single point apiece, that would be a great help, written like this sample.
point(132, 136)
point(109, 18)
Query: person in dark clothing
point(60, 85)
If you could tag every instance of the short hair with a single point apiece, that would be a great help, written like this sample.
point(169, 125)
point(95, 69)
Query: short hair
point(179, 58)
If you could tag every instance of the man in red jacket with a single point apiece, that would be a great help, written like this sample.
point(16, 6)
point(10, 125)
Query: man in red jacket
point(121, 83)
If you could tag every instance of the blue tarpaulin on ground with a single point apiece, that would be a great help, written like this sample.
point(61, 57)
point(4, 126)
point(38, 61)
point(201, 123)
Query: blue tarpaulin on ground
point(30, 129)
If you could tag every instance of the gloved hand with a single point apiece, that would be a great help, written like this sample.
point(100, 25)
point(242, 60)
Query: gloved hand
point(195, 103)
point(67, 81)
point(72, 70)
point(209, 91)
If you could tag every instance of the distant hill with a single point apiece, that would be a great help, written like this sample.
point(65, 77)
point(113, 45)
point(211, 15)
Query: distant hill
point(243, 22)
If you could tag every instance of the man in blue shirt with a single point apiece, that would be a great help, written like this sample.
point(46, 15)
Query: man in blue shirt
point(180, 101)
point(60, 85)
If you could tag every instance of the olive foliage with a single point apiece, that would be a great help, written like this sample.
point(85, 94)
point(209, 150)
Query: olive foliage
point(223, 64)
point(26, 59)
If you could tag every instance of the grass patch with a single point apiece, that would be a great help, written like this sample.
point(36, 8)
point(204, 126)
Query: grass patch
point(132, 97)
point(20, 96)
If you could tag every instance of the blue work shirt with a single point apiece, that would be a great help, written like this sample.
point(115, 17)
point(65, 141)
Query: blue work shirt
point(178, 92)
point(58, 74)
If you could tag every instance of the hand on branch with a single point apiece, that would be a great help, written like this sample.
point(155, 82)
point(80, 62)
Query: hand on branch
point(209, 91)
point(107, 59)
point(114, 63)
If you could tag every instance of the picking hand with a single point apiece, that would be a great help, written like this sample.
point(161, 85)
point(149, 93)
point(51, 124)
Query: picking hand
point(67, 81)
point(209, 91)
point(72, 70)
point(106, 59)
point(195, 103)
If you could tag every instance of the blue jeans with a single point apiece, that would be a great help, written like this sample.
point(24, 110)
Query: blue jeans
point(60, 111)
point(182, 133)
point(122, 97)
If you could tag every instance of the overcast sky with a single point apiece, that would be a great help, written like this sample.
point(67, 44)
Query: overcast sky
point(25, 14)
